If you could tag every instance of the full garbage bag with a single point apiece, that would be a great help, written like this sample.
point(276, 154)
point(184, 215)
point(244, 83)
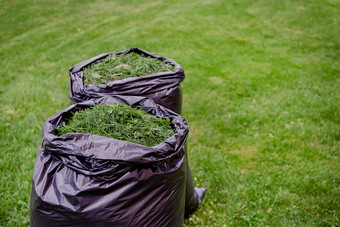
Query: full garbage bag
point(89, 180)
point(163, 87)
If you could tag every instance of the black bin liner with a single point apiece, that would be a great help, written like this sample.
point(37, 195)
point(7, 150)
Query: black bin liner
point(89, 180)
point(163, 87)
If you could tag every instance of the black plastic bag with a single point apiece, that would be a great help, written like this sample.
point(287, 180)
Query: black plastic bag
point(163, 87)
point(89, 180)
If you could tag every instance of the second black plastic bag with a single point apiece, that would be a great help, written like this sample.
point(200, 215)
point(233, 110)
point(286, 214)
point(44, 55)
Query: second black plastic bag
point(163, 87)
point(89, 180)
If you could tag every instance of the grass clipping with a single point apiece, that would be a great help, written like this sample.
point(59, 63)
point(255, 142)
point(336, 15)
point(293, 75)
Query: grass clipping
point(117, 67)
point(121, 122)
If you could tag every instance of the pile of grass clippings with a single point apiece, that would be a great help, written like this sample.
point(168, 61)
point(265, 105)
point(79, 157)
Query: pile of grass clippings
point(121, 122)
point(123, 66)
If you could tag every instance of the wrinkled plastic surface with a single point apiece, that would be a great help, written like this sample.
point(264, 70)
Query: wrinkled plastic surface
point(89, 180)
point(164, 87)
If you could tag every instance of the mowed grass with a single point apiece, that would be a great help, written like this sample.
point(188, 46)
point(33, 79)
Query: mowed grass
point(122, 67)
point(119, 121)
point(261, 95)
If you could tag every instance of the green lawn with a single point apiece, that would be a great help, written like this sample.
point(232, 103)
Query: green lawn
point(261, 94)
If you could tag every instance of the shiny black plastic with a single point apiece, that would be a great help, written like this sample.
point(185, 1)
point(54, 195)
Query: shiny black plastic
point(89, 180)
point(163, 87)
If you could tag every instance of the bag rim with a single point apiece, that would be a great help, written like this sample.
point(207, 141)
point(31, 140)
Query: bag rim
point(105, 148)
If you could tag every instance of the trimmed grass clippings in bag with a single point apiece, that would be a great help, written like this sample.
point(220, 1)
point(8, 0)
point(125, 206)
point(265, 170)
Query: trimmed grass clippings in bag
point(117, 67)
point(121, 122)
point(150, 75)
point(111, 180)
